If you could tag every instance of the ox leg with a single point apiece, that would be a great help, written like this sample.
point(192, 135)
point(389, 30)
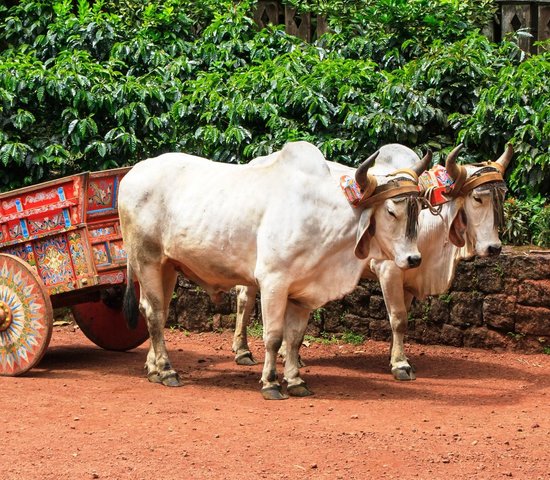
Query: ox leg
point(296, 319)
point(391, 281)
point(408, 302)
point(401, 367)
point(273, 312)
point(156, 287)
point(246, 298)
point(282, 354)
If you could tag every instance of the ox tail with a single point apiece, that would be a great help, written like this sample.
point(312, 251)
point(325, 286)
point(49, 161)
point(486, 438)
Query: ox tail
point(130, 306)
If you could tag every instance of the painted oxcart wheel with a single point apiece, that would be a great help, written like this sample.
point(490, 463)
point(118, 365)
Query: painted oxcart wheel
point(26, 316)
point(104, 324)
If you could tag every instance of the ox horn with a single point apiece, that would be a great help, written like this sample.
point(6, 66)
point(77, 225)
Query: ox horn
point(504, 159)
point(450, 163)
point(361, 174)
point(423, 164)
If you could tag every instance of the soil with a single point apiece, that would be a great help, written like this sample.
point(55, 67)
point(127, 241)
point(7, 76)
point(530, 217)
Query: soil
point(86, 413)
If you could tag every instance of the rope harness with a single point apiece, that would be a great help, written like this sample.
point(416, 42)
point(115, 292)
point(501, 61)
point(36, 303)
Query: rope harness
point(437, 187)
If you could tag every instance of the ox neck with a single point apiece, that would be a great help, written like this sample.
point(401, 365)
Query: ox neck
point(439, 255)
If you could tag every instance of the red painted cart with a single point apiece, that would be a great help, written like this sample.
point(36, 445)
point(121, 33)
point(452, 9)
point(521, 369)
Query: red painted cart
point(60, 245)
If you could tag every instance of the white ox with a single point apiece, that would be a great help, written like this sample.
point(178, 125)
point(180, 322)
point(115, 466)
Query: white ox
point(467, 225)
point(283, 225)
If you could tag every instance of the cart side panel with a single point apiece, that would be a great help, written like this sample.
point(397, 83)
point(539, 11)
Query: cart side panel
point(104, 227)
point(67, 229)
point(44, 225)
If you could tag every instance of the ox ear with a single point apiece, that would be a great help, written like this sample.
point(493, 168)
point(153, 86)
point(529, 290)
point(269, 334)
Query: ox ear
point(458, 229)
point(365, 231)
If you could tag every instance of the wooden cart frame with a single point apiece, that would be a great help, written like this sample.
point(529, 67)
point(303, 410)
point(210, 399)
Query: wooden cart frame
point(61, 245)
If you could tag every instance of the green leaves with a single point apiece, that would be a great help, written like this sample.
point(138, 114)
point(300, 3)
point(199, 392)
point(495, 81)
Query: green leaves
point(526, 222)
point(516, 109)
point(93, 84)
point(15, 152)
point(22, 119)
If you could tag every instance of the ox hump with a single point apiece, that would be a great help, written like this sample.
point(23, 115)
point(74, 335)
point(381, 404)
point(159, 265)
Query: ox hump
point(304, 157)
point(394, 156)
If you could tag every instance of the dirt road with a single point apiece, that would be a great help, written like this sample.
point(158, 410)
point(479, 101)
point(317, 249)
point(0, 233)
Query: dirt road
point(85, 413)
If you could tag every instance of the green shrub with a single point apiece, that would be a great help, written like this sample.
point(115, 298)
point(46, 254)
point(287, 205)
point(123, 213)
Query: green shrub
point(93, 84)
point(392, 32)
point(540, 225)
point(526, 222)
point(516, 108)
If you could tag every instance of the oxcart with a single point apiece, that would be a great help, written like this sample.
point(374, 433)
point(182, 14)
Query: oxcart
point(61, 246)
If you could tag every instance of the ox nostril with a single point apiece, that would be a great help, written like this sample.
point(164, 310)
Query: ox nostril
point(494, 250)
point(414, 260)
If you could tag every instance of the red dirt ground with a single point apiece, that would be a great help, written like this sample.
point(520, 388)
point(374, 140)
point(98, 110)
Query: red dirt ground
point(85, 413)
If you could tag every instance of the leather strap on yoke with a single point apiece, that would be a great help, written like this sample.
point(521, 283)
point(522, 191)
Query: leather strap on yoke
point(474, 182)
point(497, 166)
point(390, 190)
point(408, 171)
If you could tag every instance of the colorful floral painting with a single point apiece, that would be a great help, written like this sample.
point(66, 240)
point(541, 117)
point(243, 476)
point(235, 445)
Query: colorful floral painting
point(54, 262)
point(26, 331)
point(44, 225)
point(16, 230)
point(78, 253)
point(101, 256)
point(100, 194)
point(118, 253)
point(102, 232)
point(24, 252)
point(112, 278)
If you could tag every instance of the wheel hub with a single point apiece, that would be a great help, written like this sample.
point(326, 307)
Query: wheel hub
point(5, 316)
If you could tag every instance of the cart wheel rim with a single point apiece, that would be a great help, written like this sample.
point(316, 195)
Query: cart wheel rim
point(26, 317)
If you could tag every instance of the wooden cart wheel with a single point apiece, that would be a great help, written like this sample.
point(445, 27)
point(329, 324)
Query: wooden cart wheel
point(104, 324)
point(26, 316)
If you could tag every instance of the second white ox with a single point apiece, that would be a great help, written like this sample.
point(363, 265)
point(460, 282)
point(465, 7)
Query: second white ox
point(283, 226)
point(466, 225)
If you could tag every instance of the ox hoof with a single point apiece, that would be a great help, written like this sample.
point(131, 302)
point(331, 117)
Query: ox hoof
point(403, 373)
point(299, 390)
point(154, 377)
point(273, 393)
point(246, 359)
point(172, 380)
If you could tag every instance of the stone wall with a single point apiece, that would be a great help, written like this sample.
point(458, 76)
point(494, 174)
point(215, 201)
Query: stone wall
point(496, 303)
